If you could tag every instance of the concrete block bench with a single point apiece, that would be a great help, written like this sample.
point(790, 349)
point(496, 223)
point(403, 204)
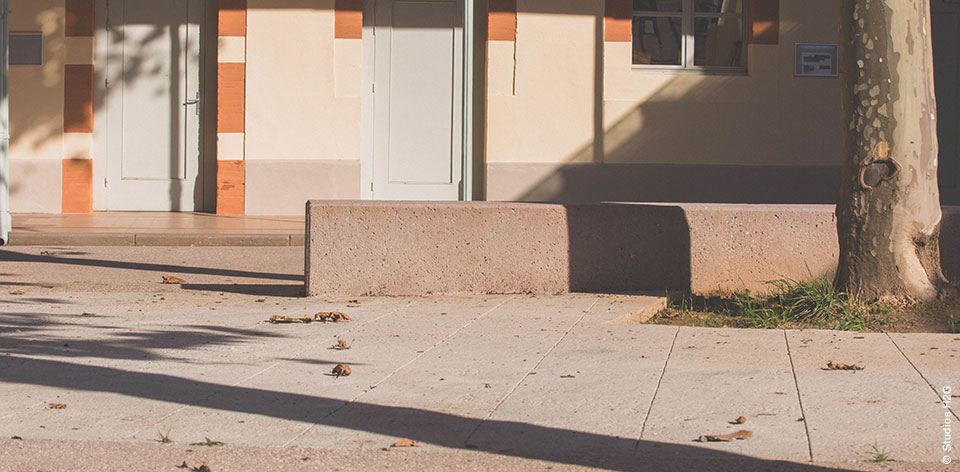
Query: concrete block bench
point(415, 248)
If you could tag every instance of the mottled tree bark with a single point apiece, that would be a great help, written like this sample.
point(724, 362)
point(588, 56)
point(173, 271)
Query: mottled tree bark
point(888, 215)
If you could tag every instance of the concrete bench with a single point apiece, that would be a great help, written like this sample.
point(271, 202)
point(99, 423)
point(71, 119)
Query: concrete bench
point(415, 248)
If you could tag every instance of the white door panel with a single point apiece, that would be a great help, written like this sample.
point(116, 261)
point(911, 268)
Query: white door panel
point(418, 104)
point(153, 124)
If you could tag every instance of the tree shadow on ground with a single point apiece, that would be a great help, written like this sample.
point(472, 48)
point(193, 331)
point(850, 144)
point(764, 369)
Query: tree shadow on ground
point(507, 438)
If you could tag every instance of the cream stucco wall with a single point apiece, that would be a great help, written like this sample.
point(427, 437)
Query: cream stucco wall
point(542, 100)
point(36, 92)
point(302, 99)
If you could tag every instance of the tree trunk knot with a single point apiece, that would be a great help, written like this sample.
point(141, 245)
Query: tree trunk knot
point(873, 173)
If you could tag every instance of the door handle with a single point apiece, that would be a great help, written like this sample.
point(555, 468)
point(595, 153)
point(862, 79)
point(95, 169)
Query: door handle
point(195, 101)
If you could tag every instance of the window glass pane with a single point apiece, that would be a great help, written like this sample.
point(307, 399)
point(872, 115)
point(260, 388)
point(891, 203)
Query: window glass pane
point(718, 42)
point(718, 6)
point(657, 40)
point(657, 5)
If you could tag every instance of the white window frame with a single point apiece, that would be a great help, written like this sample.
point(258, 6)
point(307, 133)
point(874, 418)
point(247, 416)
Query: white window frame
point(688, 38)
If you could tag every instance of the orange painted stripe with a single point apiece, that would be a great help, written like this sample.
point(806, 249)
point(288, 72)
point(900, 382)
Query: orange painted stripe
point(618, 21)
point(230, 97)
point(348, 20)
point(501, 20)
point(78, 98)
point(233, 18)
point(763, 16)
point(231, 186)
point(77, 186)
point(80, 18)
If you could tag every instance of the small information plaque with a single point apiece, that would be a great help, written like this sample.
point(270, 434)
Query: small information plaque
point(816, 60)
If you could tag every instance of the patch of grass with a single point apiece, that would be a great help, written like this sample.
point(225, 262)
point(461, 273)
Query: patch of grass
point(164, 438)
point(815, 303)
point(878, 454)
point(208, 442)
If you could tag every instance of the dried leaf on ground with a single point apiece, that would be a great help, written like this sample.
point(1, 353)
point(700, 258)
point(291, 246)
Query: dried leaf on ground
point(17, 292)
point(201, 468)
point(739, 420)
point(171, 280)
point(48, 253)
point(341, 370)
point(16, 438)
point(841, 366)
point(742, 434)
point(333, 316)
point(342, 345)
point(406, 443)
point(284, 319)
point(57, 406)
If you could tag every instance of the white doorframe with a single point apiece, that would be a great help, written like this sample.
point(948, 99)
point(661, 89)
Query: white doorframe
point(367, 100)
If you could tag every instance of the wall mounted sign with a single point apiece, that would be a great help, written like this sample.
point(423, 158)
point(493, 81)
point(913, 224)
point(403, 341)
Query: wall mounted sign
point(26, 48)
point(816, 60)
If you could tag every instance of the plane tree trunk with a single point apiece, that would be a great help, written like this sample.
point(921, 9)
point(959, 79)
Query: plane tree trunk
point(888, 215)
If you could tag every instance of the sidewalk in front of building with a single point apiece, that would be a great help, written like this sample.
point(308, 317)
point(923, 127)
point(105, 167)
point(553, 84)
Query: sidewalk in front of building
point(94, 371)
point(155, 229)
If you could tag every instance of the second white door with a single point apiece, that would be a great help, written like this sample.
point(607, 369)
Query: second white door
point(418, 100)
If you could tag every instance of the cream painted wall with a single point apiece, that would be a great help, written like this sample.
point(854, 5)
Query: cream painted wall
point(302, 99)
point(765, 118)
point(36, 92)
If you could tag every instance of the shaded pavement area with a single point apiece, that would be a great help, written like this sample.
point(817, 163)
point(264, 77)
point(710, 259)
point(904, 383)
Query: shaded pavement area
point(494, 382)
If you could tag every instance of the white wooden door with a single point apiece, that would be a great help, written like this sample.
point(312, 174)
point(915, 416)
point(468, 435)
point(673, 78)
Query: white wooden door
point(152, 99)
point(418, 100)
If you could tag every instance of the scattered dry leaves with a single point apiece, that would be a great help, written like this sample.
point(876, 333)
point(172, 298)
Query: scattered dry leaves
point(342, 345)
point(17, 292)
point(341, 370)
point(57, 406)
point(171, 280)
point(841, 366)
point(742, 434)
point(333, 317)
point(406, 443)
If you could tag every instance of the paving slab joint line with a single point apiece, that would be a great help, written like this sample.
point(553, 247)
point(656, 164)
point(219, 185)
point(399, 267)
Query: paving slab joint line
point(398, 369)
point(663, 371)
point(796, 385)
point(930, 384)
point(533, 369)
point(261, 371)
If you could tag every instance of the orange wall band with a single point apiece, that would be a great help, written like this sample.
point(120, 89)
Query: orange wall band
point(78, 98)
point(77, 186)
point(230, 187)
point(348, 19)
point(233, 18)
point(502, 20)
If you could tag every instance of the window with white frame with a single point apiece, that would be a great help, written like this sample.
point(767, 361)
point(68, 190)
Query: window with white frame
point(706, 35)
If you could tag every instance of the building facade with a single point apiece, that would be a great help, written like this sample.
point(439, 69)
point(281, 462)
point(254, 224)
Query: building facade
point(254, 106)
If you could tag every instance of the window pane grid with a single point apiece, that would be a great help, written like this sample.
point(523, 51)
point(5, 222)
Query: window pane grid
point(711, 40)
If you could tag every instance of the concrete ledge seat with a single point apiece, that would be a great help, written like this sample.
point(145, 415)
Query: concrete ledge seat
point(416, 248)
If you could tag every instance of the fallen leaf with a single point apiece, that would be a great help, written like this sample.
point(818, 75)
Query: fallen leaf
point(333, 316)
point(341, 370)
point(17, 292)
point(568, 376)
point(406, 443)
point(201, 468)
point(57, 406)
point(840, 366)
point(739, 420)
point(171, 280)
point(17, 438)
point(800, 419)
point(284, 319)
point(342, 345)
point(260, 300)
point(742, 434)
point(48, 253)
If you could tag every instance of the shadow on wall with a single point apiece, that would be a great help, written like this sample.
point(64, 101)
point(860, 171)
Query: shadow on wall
point(625, 248)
